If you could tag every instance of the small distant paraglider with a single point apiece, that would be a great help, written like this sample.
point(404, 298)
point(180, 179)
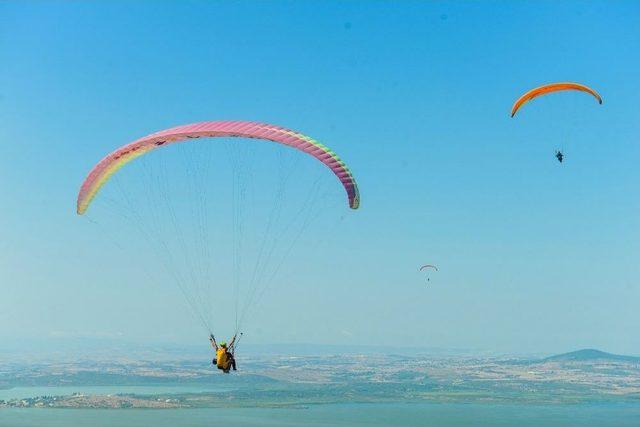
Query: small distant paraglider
point(427, 267)
point(551, 88)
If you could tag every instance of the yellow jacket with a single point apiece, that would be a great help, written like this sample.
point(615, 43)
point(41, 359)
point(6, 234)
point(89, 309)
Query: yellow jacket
point(222, 359)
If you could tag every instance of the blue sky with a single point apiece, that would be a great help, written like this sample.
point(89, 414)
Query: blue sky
point(534, 256)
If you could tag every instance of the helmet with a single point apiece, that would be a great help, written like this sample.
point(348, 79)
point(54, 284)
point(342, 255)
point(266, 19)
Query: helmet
point(223, 344)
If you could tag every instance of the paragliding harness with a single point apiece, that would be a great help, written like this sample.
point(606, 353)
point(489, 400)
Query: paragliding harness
point(559, 156)
point(229, 353)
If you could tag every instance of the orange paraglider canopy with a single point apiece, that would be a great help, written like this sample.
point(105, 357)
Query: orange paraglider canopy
point(550, 88)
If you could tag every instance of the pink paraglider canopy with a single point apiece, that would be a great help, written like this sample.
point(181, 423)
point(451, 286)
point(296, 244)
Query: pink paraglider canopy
point(101, 172)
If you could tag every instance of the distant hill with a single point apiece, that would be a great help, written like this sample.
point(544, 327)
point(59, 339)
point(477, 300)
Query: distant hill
point(590, 354)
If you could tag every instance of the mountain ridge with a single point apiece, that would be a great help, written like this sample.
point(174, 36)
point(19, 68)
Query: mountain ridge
point(589, 354)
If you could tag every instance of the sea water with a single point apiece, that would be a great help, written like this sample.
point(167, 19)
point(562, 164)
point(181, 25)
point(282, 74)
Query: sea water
point(420, 414)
